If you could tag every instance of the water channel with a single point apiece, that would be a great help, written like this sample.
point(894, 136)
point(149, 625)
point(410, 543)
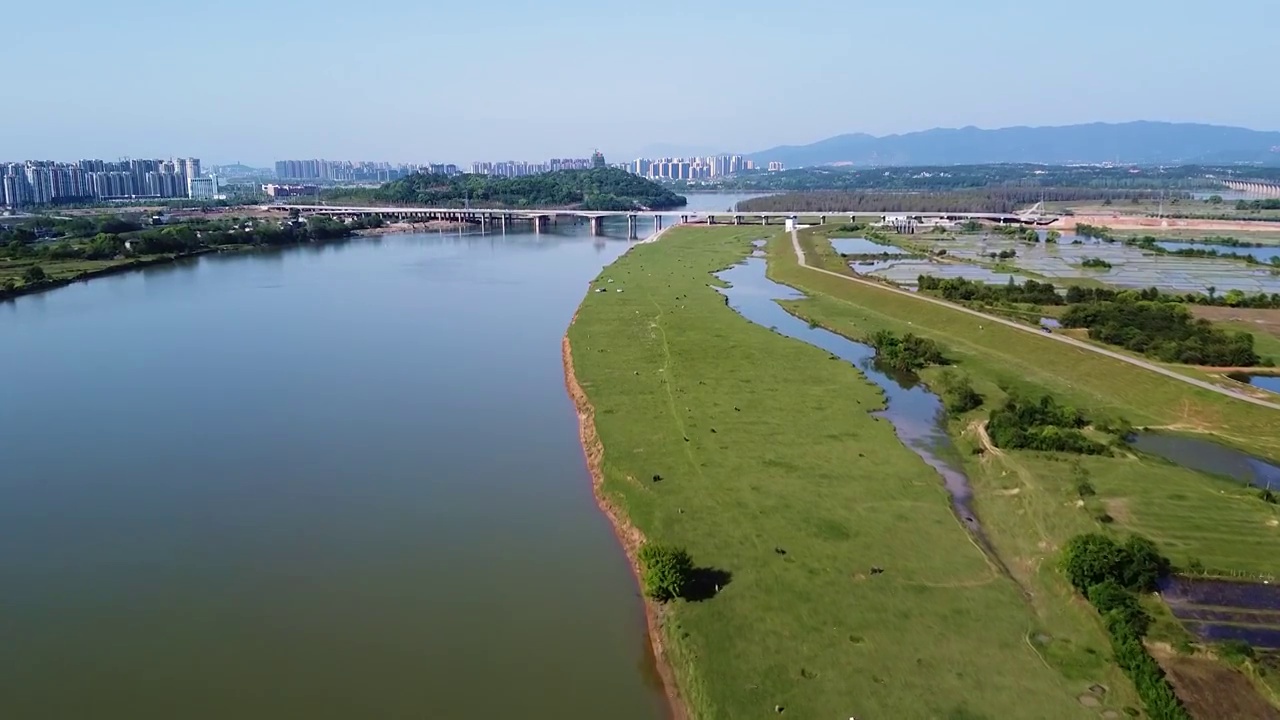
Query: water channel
point(1209, 457)
point(915, 413)
point(337, 481)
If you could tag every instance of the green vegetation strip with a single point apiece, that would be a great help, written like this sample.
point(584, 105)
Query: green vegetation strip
point(1006, 357)
point(759, 455)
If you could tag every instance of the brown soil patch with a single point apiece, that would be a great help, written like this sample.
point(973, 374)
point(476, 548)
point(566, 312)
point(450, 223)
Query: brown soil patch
point(1118, 509)
point(1210, 690)
point(1264, 319)
point(628, 535)
point(1138, 222)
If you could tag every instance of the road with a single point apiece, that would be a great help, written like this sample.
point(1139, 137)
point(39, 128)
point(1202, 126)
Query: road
point(795, 243)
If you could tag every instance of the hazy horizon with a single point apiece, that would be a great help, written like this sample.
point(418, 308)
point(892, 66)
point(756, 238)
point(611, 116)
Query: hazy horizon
point(401, 82)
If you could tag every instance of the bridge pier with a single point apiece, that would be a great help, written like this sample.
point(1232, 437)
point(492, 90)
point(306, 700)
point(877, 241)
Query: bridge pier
point(540, 224)
point(764, 219)
point(657, 223)
point(822, 219)
point(737, 219)
point(597, 225)
point(631, 227)
point(711, 219)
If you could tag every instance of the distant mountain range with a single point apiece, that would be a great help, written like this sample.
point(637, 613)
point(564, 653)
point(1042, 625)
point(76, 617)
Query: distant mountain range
point(1142, 142)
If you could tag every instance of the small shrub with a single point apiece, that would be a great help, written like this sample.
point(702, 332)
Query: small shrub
point(1268, 496)
point(33, 274)
point(1236, 652)
point(1084, 489)
point(666, 571)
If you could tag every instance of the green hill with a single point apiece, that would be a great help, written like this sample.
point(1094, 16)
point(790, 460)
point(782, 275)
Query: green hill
point(596, 189)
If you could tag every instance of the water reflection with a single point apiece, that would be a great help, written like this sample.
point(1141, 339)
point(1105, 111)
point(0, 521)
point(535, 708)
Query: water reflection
point(915, 413)
point(1209, 457)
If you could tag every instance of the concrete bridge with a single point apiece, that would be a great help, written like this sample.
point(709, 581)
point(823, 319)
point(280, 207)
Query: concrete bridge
point(1260, 189)
point(541, 220)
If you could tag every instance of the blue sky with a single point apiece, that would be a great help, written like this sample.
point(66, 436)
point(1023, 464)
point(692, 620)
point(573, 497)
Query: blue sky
point(453, 82)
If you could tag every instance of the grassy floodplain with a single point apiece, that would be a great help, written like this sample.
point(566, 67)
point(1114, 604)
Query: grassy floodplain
point(1028, 501)
point(774, 471)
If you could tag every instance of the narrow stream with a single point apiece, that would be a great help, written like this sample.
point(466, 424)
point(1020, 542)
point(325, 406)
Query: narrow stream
point(916, 413)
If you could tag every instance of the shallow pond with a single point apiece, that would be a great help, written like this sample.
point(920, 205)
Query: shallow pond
point(863, 246)
point(915, 413)
point(1266, 382)
point(1209, 457)
point(1262, 254)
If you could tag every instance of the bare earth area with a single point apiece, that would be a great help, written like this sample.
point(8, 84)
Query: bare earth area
point(1136, 222)
point(1210, 690)
point(1265, 320)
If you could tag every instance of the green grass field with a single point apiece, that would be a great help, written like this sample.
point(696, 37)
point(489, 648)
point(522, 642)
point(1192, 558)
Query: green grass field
point(764, 444)
point(56, 269)
point(1009, 358)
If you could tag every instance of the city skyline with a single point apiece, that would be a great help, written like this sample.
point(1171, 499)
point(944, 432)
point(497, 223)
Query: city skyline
point(37, 182)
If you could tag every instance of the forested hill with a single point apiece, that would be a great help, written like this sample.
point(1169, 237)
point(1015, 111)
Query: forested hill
point(1132, 142)
point(596, 189)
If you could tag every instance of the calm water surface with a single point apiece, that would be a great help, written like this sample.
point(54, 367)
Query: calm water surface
point(328, 482)
point(1209, 457)
point(917, 415)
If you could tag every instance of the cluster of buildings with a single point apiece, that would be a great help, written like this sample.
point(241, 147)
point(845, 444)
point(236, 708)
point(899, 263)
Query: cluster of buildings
point(347, 171)
point(698, 168)
point(518, 168)
point(38, 182)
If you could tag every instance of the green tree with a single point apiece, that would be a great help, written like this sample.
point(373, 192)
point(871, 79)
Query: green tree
point(1092, 559)
point(666, 571)
point(1215, 199)
point(33, 274)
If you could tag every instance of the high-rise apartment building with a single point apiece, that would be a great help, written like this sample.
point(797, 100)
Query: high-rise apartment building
point(39, 181)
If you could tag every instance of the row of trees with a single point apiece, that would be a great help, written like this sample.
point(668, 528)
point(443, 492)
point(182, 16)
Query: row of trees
point(1043, 424)
point(999, 199)
point(1162, 330)
point(1118, 180)
point(1110, 575)
point(908, 353)
point(595, 189)
point(961, 290)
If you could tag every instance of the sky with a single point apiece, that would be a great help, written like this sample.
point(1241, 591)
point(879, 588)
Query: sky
point(457, 81)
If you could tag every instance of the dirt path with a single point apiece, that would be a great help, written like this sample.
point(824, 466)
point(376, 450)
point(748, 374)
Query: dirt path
point(795, 243)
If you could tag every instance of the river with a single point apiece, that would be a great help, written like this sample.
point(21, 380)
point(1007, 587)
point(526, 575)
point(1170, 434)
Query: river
point(339, 481)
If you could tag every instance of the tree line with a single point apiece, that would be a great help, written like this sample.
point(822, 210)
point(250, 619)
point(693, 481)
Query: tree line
point(1161, 330)
point(595, 189)
point(132, 240)
point(1000, 199)
point(1110, 575)
point(1032, 292)
point(1043, 424)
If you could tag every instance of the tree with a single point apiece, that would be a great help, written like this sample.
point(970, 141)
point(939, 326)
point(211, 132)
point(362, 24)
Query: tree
point(1091, 559)
point(666, 570)
point(33, 274)
point(1215, 199)
point(1145, 565)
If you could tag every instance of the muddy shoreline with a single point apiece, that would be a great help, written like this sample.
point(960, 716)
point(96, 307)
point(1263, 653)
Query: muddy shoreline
point(629, 536)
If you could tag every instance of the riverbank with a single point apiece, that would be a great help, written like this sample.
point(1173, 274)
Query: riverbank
point(846, 586)
point(628, 535)
point(123, 266)
point(396, 228)
point(115, 269)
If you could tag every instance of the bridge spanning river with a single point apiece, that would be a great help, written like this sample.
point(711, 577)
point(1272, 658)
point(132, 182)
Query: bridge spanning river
point(542, 219)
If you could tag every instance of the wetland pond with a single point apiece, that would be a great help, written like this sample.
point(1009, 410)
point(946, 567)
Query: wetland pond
point(863, 246)
point(915, 413)
point(1209, 457)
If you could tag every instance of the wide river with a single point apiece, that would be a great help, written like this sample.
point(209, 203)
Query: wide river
point(340, 481)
